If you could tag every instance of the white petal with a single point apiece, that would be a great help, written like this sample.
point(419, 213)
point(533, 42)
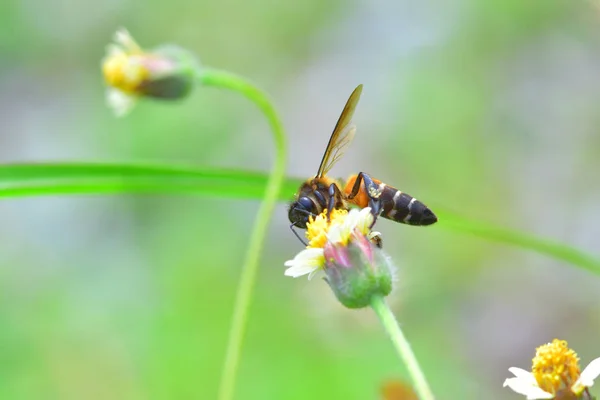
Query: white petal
point(121, 36)
point(348, 225)
point(591, 372)
point(364, 212)
point(364, 220)
point(352, 219)
point(523, 374)
point(334, 235)
point(308, 261)
point(300, 270)
point(523, 386)
point(309, 254)
point(124, 39)
point(120, 102)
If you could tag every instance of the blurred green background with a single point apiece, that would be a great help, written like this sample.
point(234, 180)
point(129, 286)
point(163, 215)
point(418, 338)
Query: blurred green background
point(486, 108)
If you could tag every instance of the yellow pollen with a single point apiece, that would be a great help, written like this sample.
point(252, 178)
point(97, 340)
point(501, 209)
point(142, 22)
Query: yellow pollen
point(555, 366)
point(317, 228)
point(124, 72)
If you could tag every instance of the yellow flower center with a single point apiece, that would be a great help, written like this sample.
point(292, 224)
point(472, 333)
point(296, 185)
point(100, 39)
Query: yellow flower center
point(317, 228)
point(124, 72)
point(555, 366)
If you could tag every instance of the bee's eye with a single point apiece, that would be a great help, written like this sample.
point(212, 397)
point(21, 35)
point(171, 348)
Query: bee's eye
point(305, 203)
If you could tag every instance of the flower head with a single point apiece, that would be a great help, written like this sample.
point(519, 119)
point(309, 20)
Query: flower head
point(130, 72)
point(555, 374)
point(312, 259)
point(317, 228)
point(345, 249)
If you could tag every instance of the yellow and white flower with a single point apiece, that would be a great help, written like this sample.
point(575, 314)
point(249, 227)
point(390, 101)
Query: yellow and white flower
point(360, 221)
point(555, 374)
point(348, 252)
point(131, 72)
point(311, 260)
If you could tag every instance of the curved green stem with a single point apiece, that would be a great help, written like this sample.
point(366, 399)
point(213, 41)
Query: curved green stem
point(402, 346)
point(245, 288)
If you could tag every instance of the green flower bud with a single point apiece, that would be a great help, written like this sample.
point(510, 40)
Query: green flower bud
point(171, 74)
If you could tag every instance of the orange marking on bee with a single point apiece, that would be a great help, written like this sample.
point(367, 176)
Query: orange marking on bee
point(362, 198)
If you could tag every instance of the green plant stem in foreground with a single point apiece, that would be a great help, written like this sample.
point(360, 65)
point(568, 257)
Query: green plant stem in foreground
point(276, 179)
point(402, 347)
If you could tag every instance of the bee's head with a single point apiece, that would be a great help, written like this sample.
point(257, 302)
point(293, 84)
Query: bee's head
point(300, 210)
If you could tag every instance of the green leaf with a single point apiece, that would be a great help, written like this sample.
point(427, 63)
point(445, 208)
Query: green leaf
point(494, 233)
point(89, 178)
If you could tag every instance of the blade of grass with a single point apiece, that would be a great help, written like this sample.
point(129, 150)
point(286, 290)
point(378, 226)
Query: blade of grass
point(530, 242)
point(17, 180)
point(94, 178)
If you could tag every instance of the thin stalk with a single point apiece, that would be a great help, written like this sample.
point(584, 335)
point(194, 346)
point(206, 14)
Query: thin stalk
point(245, 289)
point(402, 347)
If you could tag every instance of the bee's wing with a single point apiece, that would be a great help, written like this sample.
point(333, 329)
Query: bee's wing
point(342, 135)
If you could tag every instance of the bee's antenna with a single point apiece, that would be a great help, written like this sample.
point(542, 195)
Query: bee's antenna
point(297, 235)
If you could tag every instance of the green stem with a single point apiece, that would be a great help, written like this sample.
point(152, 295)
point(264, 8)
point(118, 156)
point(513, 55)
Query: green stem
point(402, 346)
point(245, 287)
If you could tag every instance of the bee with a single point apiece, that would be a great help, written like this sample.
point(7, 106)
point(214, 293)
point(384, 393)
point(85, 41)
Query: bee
point(324, 193)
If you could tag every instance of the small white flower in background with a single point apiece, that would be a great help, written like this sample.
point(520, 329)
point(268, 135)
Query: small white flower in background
point(130, 72)
point(554, 374)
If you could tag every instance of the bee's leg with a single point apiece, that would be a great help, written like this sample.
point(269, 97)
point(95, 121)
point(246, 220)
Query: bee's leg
point(297, 235)
point(335, 199)
point(372, 190)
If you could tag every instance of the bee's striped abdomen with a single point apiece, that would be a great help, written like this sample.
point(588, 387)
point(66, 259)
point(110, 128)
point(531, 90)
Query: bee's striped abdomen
point(404, 208)
point(395, 205)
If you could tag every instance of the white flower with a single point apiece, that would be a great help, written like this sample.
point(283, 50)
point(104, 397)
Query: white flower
point(338, 230)
point(555, 369)
point(122, 73)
